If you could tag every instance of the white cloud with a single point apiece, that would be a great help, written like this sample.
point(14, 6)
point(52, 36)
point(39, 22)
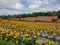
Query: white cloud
point(22, 6)
point(34, 6)
point(17, 6)
point(39, 5)
point(13, 4)
point(43, 5)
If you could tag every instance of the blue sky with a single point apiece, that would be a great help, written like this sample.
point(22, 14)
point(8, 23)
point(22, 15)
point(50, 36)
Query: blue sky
point(28, 6)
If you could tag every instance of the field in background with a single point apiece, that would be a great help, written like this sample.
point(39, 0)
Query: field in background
point(30, 33)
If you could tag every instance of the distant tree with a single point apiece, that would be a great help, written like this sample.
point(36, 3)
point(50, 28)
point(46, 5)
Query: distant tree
point(35, 14)
point(58, 13)
point(48, 14)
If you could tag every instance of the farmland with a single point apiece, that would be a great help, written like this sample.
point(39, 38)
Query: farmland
point(30, 33)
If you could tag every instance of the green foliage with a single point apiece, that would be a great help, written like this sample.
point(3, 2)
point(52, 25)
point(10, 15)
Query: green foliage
point(28, 42)
point(6, 43)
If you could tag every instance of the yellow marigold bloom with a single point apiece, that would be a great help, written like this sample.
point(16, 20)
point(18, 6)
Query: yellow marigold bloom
point(16, 41)
point(14, 37)
point(52, 42)
point(1, 37)
point(37, 41)
point(7, 35)
point(11, 34)
point(37, 44)
point(14, 31)
point(6, 38)
point(35, 36)
point(22, 27)
point(46, 44)
point(29, 38)
point(10, 40)
point(26, 35)
point(22, 39)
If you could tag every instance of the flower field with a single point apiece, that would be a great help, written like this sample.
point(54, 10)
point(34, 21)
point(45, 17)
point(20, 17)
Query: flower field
point(30, 33)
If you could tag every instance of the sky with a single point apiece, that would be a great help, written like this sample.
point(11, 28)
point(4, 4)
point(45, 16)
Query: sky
point(28, 6)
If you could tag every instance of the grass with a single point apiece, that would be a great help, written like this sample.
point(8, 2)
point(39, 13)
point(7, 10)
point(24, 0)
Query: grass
point(6, 43)
point(58, 20)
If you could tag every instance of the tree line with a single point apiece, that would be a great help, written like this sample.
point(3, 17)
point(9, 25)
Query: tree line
point(35, 14)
